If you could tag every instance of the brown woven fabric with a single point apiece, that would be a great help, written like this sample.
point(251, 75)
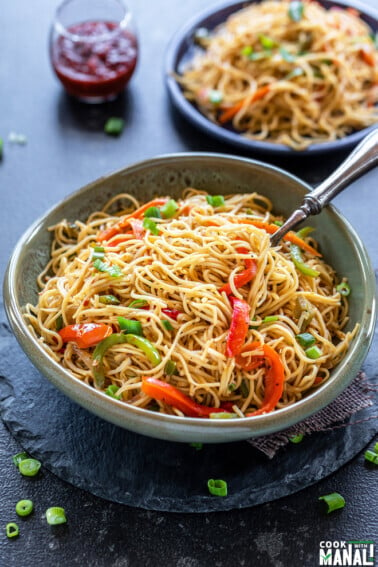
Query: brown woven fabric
point(359, 395)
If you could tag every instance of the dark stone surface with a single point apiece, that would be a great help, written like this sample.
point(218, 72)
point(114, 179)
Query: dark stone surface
point(67, 148)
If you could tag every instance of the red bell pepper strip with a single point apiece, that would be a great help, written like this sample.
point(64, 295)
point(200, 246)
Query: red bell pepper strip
point(172, 313)
point(244, 277)
point(274, 377)
point(137, 228)
point(239, 326)
point(172, 396)
point(85, 335)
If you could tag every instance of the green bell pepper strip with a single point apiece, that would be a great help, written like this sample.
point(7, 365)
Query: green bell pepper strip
point(296, 255)
point(148, 348)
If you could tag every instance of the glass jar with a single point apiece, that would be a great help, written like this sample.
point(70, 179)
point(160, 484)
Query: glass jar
point(93, 48)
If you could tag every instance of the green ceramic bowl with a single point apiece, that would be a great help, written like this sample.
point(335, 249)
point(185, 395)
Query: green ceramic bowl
point(168, 175)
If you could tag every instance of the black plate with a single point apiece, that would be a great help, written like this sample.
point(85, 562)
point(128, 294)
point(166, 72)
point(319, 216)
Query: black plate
point(182, 49)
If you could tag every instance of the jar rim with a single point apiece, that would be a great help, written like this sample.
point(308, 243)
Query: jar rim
point(62, 30)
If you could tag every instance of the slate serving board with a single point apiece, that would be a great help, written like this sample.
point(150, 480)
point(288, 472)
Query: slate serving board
point(131, 469)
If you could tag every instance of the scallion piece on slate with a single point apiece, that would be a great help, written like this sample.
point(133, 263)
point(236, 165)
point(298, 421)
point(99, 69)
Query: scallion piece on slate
point(217, 487)
point(29, 467)
point(114, 126)
point(334, 501)
point(24, 508)
point(12, 530)
point(55, 516)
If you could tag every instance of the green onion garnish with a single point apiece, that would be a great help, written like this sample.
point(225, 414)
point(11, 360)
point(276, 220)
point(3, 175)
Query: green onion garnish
point(24, 507)
point(278, 222)
point(152, 212)
point(19, 457)
point(170, 368)
point(313, 352)
point(98, 252)
point(12, 529)
point(55, 516)
point(247, 50)
point(130, 326)
point(296, 438)
point(109, 300)
point(334, 501)
point(217, 487)
point(305, 339)
point(270, 319)
point(267, 42)
point(231, 387)
point(150, 225)
point(167, 325)
point(112, 269)
point(196, 446)
point(112, 391)
point(138, 304)
point(244, 388)
point(215, 97)
point(257, 55)
point(372, 457)
point(296, 10)
point(215, 200)
point(296, 72)
point(114, 126)
point(29, 467)
point(375, 448)
point(343, 288)
point(59, 323)
point(286, 55)
point(223, 415)
point(169, 209)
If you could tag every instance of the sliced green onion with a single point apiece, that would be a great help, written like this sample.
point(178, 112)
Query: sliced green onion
point(286, 55)
point(223, 415)
point(296, 438)
point(109, 300)
point(55, 516)
point(267, 42)
point(167, 325)
point(59, 323)
point(215, 200)
point(278, 222)
point(375, 448)
point(114, 126)
point(270, 319)
point(257, 55)
point(313, 352)
point(217, 487)
point(170, 368)
point(296, 72)
point(12, 530)
point(19, 457)
point(29, 467)
point(215, 97)
point(169, 209)
point(296, 256)
point(244, 388)
point(153, 212)
point(305, 339)
point(98, 252)
point(247, 50)
point(343, 289)
point(24, 507)
point(196, 446)
point(296, 10)
point(112, 269)
point(150, 225)
point(130, 326)
point(372, 457)
point(231, 387)
point(138, 304)
point(112, 391)
point(334, 501)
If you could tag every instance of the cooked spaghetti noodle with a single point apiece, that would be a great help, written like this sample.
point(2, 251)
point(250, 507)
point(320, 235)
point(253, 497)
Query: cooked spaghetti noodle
point(290, 73)
point(212, 311)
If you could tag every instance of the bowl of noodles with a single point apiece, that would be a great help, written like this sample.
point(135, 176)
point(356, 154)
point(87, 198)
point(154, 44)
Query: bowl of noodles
point(278, 76)
point(153, 298)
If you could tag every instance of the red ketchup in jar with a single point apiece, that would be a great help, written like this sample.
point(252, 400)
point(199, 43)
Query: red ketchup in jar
point(94, 60)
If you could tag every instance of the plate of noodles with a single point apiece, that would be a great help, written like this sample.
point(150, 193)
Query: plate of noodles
point(153, 298)
point(278, 76)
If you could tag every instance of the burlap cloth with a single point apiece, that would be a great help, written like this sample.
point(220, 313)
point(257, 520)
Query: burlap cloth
point(359, 395)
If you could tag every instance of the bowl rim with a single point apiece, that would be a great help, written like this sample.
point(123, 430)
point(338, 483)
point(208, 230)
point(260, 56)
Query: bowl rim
point(90, 397)
point(196, 118)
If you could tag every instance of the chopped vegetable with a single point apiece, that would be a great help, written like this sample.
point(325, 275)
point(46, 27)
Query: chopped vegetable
point(313, 352)
point(112, 391)
point(59, 323)
point(334, 501)
point(296, 10)
point(217, 487)
point(109, 300)
point(172, 313)
point(305, 339)
point(15, 138)
point(376, 448)
point(286, 55)
point(270, 319)
point(196, 446)
point(98, 252)
point(215, 97)
point(130, 326)
point(244, 277)
point(150, 225)
point(304, 312)
point(296, 438)
point(274, 375)
point(167, 325)
point(215, 200)
point(29, 467)
point(200, 34)
point(146, 346)
point(152, 212)
point(19, 457)
point(113, 270)
point(299, 263)
point(138, 304)
point(169, 209)
point(229, 113)
point(267, 42)
point(24, 508)
point(343, 288)
point(172, 396)
point(114, 126)
point(170, 368)
point(55, 516)
point(239, 326)
point(259, 55)
point(247, 50)
point(296, 72)
point(12, 530)
point(85, 335)
point(372, 457)
point(223, 415)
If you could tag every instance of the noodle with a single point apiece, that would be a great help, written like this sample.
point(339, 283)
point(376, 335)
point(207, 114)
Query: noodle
point(174, 285)
point(287, 82)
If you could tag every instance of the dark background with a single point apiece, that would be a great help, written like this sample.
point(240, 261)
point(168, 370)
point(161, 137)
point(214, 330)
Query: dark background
point(66, 148)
